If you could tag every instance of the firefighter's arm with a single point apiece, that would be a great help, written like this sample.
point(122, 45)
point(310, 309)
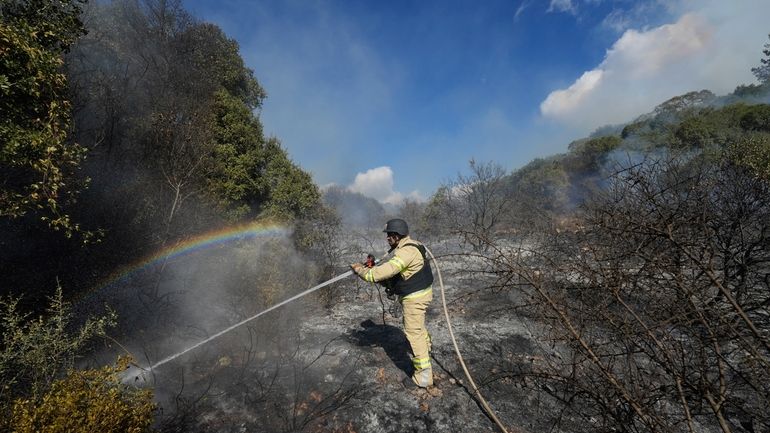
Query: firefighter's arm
point(382, 271)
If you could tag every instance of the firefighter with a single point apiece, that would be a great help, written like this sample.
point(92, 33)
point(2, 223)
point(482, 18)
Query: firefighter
point(407, 275)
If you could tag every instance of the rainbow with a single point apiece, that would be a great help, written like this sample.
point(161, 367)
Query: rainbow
point(198, 243)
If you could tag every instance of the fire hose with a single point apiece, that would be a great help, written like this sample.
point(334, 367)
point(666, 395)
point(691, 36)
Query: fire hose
point(475, 388)
point(370, 262)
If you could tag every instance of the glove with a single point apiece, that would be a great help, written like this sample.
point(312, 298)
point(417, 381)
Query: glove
point(356, 267)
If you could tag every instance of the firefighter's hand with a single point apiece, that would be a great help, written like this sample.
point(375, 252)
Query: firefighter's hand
point(356, 267)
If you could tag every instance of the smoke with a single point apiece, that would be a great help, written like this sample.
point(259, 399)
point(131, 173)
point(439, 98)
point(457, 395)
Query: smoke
point(354, 208)
point(175, 304)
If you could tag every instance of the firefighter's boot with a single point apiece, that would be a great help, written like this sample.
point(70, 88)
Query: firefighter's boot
point(423, 378)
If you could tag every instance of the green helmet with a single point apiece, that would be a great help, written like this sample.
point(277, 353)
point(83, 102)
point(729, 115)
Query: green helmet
point(397, 225)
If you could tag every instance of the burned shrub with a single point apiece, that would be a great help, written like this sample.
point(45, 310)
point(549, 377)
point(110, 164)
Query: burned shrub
point(657, 301)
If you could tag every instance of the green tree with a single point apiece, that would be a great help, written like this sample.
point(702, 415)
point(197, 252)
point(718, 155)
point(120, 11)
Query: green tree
point(588, 156)
point(190, 139)
point(236, 180)
point(756, 118)
point(218, 57)
point(697, 131)
point(38, 162)
point(293, 195)
point(251, 175)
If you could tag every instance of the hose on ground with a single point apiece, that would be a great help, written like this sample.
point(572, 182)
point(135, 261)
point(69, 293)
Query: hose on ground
point(478, 395)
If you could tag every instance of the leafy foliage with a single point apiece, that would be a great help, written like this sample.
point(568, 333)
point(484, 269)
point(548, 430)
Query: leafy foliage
point(87, 401)
point(38, 163)
point(588, 156)
point(292, 191)
point(554, 186)
point(542, 184)
point(756, 118)
point(753, 152)
point(34, 352)
point(190, 139)
point(237, 176)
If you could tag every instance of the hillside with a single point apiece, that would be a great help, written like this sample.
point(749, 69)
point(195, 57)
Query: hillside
point(622, 286)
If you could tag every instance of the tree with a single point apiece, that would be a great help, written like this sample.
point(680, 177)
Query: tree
point(190, 140)
point(38, 162)
point(762, 72)
point(587, 157)
point(474, 205)
point(292, 193)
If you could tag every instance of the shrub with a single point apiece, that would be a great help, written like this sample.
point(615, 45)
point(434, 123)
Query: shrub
point(34, 352)
point(87, 401)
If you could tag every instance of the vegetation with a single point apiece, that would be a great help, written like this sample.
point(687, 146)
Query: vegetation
point(472, 206)
point(38, 160)
point(167, 115)
point(643, 250)
point(657, 294)
point(35, 355)
point(645, 257)
point(165, 110)
point(87, 400)
point(762, 72)
point(36, 351)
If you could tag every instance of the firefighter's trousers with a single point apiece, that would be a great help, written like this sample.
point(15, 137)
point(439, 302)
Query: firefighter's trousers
point(415, 305)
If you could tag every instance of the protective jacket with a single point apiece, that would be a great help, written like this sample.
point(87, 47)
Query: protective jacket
point(407, 272)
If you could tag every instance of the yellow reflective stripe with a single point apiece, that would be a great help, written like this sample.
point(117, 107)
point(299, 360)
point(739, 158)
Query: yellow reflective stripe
point(419, 293)
point(369, 276)
point(421, 363)
point(398, 263)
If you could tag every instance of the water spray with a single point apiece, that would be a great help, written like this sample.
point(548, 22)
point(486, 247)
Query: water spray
point(371, 261)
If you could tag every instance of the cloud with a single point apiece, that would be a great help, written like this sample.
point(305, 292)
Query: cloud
point(522, 7)
point(562, 6)
point(638, 14)
point(378, 183)
point(703, 49)
point(617, 20)
point(641, 54)
point(561, 101)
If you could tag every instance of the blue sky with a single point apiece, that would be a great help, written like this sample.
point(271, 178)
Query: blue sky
point(392, 98)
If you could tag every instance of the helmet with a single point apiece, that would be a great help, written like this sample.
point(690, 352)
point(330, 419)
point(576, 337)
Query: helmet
point(397, 225)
